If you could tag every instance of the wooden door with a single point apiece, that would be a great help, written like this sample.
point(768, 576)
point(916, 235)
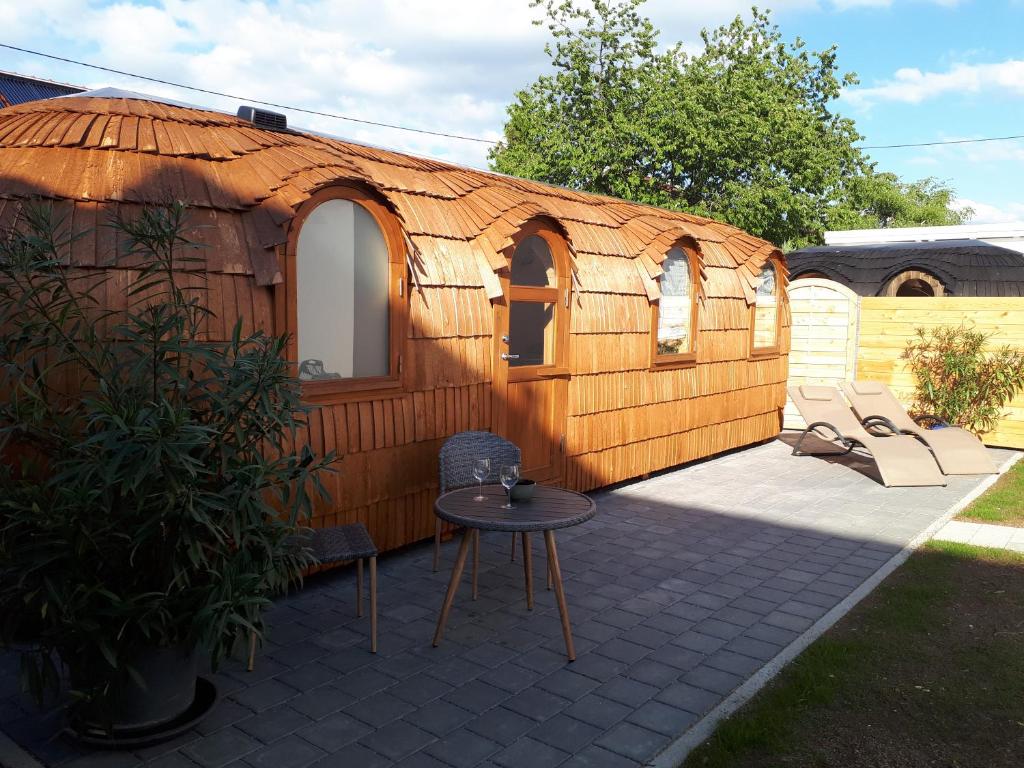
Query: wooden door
point(531, 370)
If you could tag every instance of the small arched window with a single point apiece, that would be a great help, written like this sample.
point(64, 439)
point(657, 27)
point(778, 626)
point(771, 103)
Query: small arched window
point(765, 331)
point(346, 308)
point(674, 326)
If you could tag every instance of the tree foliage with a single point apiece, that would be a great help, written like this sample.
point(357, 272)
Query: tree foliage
point(881, 200)
point(745, 131)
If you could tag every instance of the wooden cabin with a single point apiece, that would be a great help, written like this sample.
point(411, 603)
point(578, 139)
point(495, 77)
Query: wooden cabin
point(607, 339)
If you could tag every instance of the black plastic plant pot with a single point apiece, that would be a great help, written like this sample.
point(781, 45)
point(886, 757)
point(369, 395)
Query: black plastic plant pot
point(172, 699)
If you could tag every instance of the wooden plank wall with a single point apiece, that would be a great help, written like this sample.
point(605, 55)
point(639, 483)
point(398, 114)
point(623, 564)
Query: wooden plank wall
point(887, 323)
point(824, 351)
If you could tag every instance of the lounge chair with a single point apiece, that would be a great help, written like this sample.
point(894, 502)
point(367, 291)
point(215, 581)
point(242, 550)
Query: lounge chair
point(957, 451)
point(901, 459)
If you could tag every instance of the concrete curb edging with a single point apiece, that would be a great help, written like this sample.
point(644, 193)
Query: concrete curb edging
point(674, 754)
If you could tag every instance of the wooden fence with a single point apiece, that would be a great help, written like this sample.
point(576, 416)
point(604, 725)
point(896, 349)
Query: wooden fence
point(878, 329)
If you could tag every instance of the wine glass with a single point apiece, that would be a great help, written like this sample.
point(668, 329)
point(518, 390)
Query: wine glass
point(481, 471)
point(509, 477)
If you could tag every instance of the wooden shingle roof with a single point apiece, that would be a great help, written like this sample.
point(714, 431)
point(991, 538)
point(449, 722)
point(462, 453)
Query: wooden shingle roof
point(964, 267)
point(244, 183)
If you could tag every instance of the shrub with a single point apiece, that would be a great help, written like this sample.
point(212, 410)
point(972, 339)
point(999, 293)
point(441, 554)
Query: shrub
point(150, 491)
point(959, 379)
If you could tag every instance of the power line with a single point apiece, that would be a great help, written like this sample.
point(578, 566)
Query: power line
point(247, 99)
point(941, 143)
point(404, 127)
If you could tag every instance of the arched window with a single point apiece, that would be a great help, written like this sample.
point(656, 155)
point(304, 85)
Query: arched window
point(765, 331)
point(913, 282)
point(674, 323)
point(346, 308)
point(534, 295)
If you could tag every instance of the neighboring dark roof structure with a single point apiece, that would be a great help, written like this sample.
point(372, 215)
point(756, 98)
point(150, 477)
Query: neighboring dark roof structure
point(964, 267)
point(17, 89)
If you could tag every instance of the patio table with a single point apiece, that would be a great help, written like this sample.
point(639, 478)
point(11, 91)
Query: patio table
point(550, 509)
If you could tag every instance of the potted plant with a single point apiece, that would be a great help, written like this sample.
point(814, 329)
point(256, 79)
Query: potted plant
point(150, 490)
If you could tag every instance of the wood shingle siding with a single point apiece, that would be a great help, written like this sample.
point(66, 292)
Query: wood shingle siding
point(94, 157)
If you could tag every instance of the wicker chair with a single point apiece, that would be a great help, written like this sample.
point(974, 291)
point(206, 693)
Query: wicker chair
point(455, 470)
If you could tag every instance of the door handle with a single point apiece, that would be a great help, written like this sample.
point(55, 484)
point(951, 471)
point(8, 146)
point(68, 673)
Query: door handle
point(507, 356)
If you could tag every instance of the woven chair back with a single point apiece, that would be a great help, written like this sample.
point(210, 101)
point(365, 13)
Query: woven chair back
point(460, 452)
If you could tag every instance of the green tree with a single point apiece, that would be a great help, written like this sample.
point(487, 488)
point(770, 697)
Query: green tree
point(876, 200)
point(590, 124)
point(744, 132)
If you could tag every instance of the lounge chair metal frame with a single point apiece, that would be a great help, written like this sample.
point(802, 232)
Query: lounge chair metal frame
point(885, 421)
point(848, 442)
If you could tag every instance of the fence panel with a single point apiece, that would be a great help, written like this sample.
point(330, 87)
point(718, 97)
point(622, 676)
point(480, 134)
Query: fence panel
point(887, 323)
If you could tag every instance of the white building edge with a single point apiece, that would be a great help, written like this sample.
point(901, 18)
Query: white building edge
point(1009, 235)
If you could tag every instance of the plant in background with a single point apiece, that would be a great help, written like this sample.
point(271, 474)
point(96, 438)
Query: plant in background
point(150, 492)
point(959, 379)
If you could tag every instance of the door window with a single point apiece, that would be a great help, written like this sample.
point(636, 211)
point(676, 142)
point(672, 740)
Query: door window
point(533, 304)
point(531, 326)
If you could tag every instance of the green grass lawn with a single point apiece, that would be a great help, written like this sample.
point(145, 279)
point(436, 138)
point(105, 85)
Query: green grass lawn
point(1003, 503)
point(926, 671)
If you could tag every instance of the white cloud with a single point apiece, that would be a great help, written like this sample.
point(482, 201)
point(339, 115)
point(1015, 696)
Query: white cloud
point(985, 213)
point(912, 86)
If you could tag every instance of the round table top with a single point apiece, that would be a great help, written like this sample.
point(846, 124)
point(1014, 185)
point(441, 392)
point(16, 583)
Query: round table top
point(550, 508)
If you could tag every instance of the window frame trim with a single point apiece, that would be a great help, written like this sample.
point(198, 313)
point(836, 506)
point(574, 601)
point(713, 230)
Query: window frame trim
point(662, 361)
point(559, 249)
point(776, 349)
point(286, 299)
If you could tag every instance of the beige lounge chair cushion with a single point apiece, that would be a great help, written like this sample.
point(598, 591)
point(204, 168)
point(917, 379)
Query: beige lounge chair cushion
point(867, 387)
point(818, 393)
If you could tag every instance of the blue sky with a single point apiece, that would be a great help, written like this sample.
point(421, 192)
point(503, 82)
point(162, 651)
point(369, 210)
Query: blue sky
point(930, 70)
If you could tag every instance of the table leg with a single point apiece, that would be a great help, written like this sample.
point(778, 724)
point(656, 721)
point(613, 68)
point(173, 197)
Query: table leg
point(453, 585)
point(476, 561)
point(528, 569)
point(513, 558)
point(556, 577)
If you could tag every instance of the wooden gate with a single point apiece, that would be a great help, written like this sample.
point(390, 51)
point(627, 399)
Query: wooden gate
point(825, 330)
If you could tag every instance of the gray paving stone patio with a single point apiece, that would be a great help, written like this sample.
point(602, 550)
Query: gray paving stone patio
point(681, 588)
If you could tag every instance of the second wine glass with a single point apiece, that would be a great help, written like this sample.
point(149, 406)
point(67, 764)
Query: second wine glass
point(509, 477)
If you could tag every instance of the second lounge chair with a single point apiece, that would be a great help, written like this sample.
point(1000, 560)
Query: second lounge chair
point(901, 459)
point(957, 451)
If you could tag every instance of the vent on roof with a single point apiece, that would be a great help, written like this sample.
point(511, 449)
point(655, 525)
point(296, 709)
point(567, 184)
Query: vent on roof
point(262, 118)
